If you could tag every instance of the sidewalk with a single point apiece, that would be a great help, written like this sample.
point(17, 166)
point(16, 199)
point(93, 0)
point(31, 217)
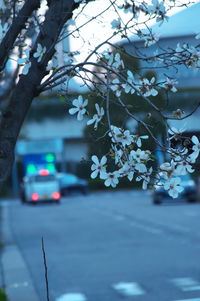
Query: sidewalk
point(18, 282)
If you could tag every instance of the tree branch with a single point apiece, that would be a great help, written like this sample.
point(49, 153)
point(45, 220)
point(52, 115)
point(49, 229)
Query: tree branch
point(14, 30)
point(12, 118)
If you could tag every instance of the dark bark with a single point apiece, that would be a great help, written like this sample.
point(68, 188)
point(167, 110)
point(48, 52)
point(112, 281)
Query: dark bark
point(11, 120)
point(14, 30)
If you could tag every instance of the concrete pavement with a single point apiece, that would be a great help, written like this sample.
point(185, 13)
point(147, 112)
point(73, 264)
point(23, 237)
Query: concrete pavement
point(16, 277)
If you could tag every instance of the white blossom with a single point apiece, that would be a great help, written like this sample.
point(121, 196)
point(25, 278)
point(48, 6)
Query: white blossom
point(170, 84)
point(140, 155)
point(196, 146)
point(151, 39)
point(117, 61)
point(52, 65)
point(145, 178)
point(193, 59)
point(108, 56)
point(129, 85)
point(138, 139)
point(25, 62)
point(80, 105)
point(173, 187)
point(146, 87)
point(111, 179)
point(159, 9)
point(116, 24)
point(126, 138)
point(184, 166)
point(175, 133)
point(96, 117)
point(2, 5)
point(120, 136)
point(98, 167)
point(128, 170)
point(168, 169)
point(40, 52)
point(116, 87)
point(193, 156)
point(179, 48)
point(117, 153)
point(126, 6)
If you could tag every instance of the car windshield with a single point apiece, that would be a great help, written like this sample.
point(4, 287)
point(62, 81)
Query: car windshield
point(46, 178)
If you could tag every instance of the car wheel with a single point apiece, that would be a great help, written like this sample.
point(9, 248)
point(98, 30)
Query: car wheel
point(85, 190)
point(191, 200)
point(23, 198)
point(157, 202)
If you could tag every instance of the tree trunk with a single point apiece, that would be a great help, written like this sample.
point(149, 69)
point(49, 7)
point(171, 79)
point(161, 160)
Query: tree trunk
point(12, 118)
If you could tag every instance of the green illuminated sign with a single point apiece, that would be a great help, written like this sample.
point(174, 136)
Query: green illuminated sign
point(31, 168)
point(51, 167)
point(49, 158)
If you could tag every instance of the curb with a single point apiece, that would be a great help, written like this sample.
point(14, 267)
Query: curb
point(18, 282)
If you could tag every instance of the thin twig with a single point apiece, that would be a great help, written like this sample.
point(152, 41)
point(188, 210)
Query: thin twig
point(46, 270)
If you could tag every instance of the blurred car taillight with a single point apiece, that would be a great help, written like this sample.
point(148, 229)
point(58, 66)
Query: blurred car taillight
point(56, 195)
point(35, 197)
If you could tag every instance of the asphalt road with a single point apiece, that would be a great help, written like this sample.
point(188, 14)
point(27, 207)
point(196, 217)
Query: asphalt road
point(97, 241)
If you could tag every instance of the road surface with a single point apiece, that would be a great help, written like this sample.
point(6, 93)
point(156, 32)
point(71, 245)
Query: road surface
point(111, 246)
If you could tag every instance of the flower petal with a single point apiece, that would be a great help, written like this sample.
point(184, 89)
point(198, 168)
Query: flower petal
point(103, 160)
point(72, 111)
point(95, 159)
point(195, 140)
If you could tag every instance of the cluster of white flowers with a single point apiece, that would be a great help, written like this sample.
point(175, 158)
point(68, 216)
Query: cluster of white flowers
point(134, 162)
point(147, 87)
point(155, 9)
point(25, 61)
point(150, 39)
point(142, 86)
point(114, 60)
point(181, 164)
point(129, 161)
point(189, 55)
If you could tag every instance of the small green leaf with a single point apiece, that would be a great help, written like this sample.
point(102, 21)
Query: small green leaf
point(62, 98)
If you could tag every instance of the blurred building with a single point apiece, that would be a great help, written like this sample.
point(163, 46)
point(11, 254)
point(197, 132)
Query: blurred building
point(48, 121)
point(181, 28)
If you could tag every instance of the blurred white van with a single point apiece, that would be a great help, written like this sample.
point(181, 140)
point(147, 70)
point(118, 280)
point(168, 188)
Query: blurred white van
point(43, 186)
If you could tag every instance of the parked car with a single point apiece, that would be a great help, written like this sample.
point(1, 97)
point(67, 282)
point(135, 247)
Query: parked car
point(70, 182)
point(42, 186)
point(188, 194)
